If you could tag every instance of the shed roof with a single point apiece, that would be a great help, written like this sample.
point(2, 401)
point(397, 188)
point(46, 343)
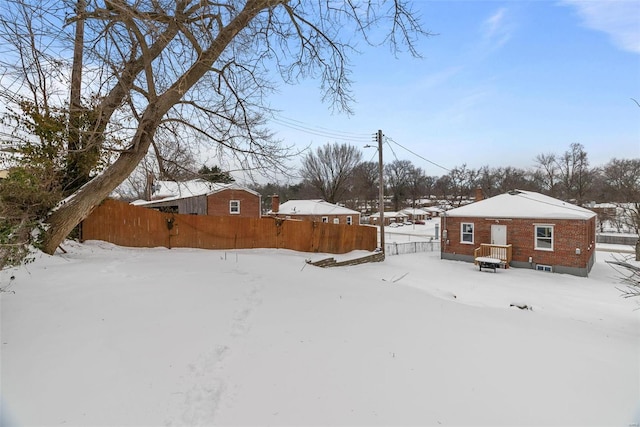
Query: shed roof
point(178, 190)
point(167, 191)
point(522, 204)
point(313, 207)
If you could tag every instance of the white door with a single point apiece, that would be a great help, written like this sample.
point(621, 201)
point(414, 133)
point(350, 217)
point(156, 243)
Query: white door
point(498, 234)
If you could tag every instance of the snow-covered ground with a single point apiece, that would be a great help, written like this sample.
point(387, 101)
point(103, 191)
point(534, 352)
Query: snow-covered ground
point(105, 335)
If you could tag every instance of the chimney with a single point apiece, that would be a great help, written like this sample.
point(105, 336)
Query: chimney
point(275, 203)
point(479, 194)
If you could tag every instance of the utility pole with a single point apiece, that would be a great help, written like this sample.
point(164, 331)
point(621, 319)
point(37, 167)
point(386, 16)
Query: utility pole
point(381, 190)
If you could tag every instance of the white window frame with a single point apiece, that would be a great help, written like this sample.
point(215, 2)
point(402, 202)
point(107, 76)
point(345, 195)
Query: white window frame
point(550, 238)
point(349, 220)
point(234, 207)
point(464, 233)
point(325, 219)
point(336, 220)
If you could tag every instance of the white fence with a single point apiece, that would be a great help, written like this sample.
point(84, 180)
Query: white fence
point(411, 247)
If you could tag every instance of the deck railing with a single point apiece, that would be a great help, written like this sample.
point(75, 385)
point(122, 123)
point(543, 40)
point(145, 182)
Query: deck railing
point(501, 252)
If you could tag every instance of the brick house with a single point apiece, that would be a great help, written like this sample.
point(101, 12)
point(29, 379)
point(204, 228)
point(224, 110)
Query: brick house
point(538, 231)
point(200, 197)
point(313, 210)
point(389, 218)
point(415, 214)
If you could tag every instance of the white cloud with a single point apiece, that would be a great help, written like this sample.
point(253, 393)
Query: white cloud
point(497, 28)
point(620, 19)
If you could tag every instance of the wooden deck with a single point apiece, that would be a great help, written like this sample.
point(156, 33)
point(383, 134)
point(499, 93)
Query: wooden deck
point(501, 252)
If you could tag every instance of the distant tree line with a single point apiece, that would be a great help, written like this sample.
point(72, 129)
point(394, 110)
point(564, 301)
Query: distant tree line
point(337, 174)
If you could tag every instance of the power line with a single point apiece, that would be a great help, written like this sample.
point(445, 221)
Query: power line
point(321, 131)
point(417, 155)
point(391, 148)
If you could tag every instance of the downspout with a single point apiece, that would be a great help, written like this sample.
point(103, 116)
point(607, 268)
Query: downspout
point(443, 240)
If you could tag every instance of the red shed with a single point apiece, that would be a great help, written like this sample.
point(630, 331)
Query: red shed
point(199, 197)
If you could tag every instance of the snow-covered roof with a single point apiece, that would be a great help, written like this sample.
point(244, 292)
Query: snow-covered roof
point(414, 211)
point(390, 214)
point(313, 207)
point(522, 204)
point(194, 187)
point(433, 209)
point(166, 191)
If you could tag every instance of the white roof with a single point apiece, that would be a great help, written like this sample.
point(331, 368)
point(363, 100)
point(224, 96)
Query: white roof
point(390, 214)
point(178, 190)
point(166, 191)
point(412, 211)
point(433, 209)
point(522, 204)
point(313, 207)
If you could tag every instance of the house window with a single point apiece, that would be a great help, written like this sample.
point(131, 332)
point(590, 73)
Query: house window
point(234, 206)
point(336, 220)
point(466, 232)
point(544, 237)
point(349, 220)
point(325, 219)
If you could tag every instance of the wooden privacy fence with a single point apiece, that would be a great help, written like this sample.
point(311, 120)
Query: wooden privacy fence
point(126, 225)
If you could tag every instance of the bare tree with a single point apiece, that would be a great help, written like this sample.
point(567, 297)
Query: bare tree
point(629, 275)
point(623, 184)
point(442, 188)
point(462, 182)
point(488, 181)
point(330, 170)
point(548, 172)
point(417, 185)
point(575, 175)
point(195, 65)
point(397, 176)
point(494, 181)
point(365, 183)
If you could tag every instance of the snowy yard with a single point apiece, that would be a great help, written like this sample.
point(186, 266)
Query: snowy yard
point(105, 335)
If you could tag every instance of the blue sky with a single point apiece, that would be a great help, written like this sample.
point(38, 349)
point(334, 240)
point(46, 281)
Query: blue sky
point(502, 82)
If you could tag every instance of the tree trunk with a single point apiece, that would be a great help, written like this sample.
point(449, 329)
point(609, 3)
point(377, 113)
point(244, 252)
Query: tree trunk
point(76, 173)
point(71, 212)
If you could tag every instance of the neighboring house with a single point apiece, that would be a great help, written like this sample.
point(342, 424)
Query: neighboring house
point(313, 210)
point(537, 231)
point(617, 217)
point(433, 211)
point(200, 197)
point(416, 214)
point(389, 218)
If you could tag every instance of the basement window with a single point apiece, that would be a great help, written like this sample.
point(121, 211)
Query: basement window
point(546, 268)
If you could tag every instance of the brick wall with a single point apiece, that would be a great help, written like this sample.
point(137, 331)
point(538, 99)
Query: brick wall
point(567, 236)
point(218, 203)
